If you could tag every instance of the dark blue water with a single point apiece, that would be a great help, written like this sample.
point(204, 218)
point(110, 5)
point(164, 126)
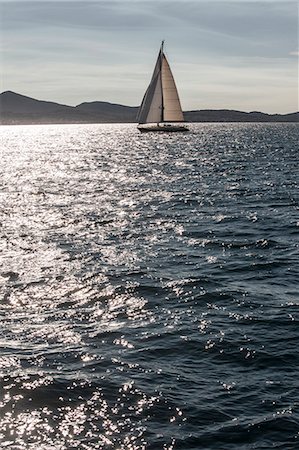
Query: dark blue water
point(149, 288)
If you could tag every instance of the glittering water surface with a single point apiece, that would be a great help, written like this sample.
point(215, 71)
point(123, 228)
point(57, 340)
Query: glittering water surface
point(149, 288)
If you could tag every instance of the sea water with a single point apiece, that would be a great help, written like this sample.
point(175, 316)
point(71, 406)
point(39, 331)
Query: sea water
point(149, 287)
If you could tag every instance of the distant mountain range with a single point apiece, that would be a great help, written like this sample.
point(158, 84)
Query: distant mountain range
point(19, 109)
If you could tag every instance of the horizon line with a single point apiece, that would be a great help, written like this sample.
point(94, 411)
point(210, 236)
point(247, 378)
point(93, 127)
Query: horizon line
point(137, 106)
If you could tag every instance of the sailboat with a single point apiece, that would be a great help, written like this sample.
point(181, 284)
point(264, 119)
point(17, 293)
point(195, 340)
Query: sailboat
point(160, 109)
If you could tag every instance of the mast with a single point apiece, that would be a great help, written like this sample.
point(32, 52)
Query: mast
point(162, 97)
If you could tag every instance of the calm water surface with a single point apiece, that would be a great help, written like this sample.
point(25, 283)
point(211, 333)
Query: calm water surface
point(149, 288)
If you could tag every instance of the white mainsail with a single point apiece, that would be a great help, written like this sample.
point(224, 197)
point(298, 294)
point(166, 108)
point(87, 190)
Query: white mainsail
point(161, 101)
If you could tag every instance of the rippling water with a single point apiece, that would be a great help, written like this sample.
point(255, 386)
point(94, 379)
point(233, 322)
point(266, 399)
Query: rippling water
point(149, 288)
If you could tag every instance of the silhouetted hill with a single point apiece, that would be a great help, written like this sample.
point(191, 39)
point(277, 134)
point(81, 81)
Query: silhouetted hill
point(109, 111)
point(227, 115)
point(16, 103)
point(20, 109)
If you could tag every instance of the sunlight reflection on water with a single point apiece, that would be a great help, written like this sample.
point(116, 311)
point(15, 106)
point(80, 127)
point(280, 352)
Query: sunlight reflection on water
point(144, 279)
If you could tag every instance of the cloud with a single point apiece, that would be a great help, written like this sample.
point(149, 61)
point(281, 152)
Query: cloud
point(72, 51)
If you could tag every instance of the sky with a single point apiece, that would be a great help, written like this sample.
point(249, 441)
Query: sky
point(235, 54)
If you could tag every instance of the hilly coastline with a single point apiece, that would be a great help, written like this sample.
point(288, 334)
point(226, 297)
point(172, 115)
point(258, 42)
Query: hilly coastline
point(17, 109)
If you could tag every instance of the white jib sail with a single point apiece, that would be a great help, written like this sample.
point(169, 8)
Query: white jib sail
point(172, 111)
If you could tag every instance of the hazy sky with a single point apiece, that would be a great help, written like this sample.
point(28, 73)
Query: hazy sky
point(224, 54)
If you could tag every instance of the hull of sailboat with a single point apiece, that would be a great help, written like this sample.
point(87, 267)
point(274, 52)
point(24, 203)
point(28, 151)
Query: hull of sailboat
point(162, 128)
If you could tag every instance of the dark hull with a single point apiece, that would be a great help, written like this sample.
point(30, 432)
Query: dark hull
point(163, 128)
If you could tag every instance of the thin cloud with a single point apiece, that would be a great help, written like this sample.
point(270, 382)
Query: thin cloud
point(228, 53)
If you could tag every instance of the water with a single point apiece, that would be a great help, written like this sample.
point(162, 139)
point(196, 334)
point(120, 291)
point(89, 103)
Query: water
point(149, 288)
